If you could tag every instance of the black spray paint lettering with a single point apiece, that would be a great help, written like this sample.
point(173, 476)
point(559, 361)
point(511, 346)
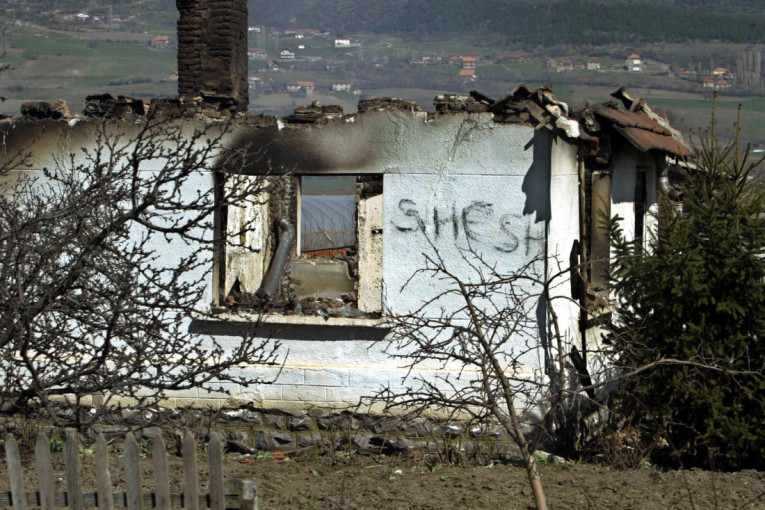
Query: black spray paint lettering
point(409, 208)
point(478, 221)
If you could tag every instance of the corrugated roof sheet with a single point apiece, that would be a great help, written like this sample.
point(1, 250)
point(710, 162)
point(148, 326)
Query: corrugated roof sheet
point(629, 119)
point(645, 141)
point(638, 124)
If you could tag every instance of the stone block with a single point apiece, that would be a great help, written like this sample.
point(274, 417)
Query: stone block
point(307, 439)
point(264, 441)
point(282, 439)
point(348, 395)
point(384, 425)
point(421, 428)
point(450, 430)
point(327, 377)
point(304, 423)
point(308, 394)
point(277, 421)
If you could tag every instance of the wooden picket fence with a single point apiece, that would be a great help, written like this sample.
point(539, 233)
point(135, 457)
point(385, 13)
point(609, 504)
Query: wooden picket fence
point(242, 495)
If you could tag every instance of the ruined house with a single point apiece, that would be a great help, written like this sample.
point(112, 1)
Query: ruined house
point(508, 180)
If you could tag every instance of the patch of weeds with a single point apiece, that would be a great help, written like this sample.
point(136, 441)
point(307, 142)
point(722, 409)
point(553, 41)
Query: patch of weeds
point(56, 445)
point(450, 450)
point(625, 449)
point(144, 447)
point(314, 472)
point(552, 460)
point(345, 454)
point(432, 466)
point(263, 455)
point(88, 451)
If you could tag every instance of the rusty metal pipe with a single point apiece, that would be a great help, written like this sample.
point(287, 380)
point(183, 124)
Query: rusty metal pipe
point(270, 283)
point(666, 188)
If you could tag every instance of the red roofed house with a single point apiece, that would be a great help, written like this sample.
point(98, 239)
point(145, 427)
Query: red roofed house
point(722, 84)
point(160, 42)
point(301, 86)
point(468, 62)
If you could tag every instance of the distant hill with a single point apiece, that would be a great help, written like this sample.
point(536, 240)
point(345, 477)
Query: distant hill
point(536, 22)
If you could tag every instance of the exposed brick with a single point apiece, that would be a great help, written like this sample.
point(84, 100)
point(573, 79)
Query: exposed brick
point(212, 52)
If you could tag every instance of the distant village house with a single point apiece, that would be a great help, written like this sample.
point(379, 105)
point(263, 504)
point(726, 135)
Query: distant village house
point(468, 62)
point(295, 87)
point(257, 54)
point(341, 87)
point(160, 42)
point(633, 63)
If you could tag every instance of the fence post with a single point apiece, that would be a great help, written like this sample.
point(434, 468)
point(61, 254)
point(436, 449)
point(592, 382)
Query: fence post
point(248, 496)
point(15, 473)
point(161, 483)
point(103, 476)
point(190, 473)
point(132, 475)
point(44, 472)
point(215, 458)
point(73, 473)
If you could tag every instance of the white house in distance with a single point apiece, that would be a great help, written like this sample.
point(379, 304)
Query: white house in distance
point(257, 54)
point(341, 87)
point(301, 86)
point(342, 43)
point(633, 63)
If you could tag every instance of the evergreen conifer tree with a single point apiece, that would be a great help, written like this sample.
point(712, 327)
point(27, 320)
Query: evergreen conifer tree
point(691, 311)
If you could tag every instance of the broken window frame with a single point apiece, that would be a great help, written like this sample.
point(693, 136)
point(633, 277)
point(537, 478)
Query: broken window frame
point(368, 216)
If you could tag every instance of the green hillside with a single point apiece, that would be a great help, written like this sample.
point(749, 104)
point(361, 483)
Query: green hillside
point(534, 22)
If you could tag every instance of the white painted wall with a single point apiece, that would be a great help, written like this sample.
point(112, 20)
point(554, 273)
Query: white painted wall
point(563, 231)
point(509, 192)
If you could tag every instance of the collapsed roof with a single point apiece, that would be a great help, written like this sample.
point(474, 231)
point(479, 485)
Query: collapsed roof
point(631, 118)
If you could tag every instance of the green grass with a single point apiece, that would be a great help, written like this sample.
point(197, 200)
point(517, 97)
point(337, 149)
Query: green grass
point(88, 62)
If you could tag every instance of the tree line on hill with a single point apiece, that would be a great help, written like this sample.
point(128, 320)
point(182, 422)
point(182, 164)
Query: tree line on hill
point(550, 22)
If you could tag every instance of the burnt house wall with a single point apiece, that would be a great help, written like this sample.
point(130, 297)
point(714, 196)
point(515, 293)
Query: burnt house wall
point(212, 52)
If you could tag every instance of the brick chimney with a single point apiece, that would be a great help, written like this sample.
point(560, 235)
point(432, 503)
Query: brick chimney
point(212, 52)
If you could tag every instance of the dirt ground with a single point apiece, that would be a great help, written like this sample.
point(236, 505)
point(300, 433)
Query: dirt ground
point(353, 481)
